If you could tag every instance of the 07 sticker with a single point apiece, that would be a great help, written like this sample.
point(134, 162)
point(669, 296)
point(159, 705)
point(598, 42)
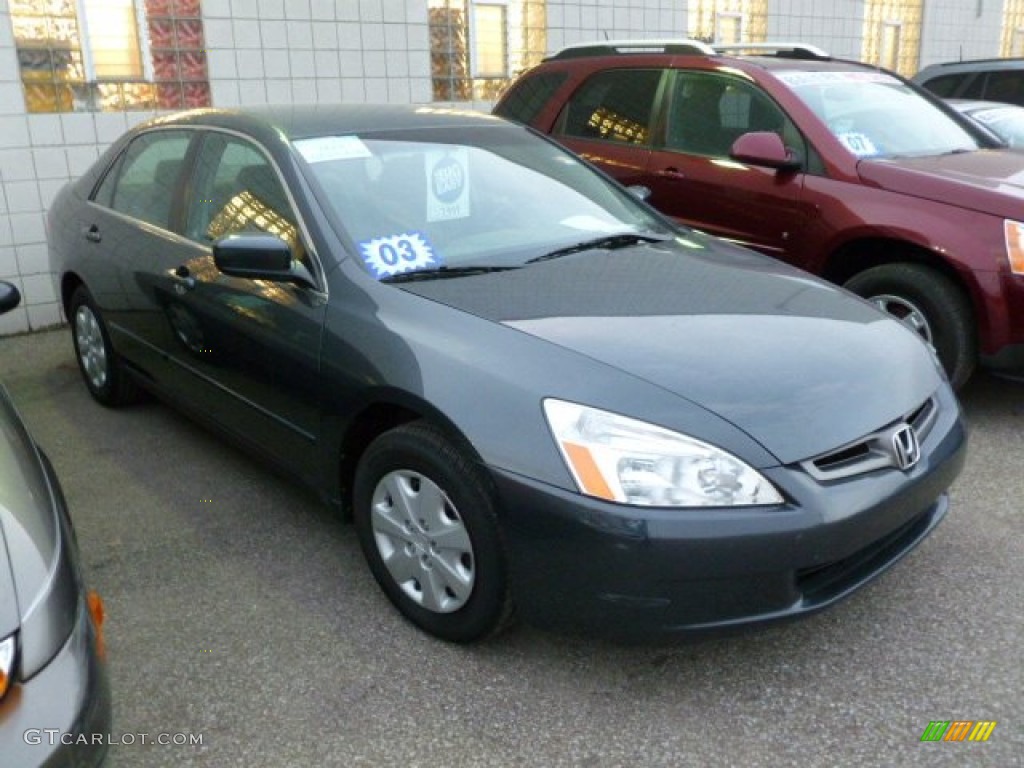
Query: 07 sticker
point(389, 256)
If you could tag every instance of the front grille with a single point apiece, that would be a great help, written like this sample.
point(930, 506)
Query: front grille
point(874, 451)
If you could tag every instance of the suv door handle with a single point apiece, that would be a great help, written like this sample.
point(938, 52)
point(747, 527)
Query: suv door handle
point(92, 234)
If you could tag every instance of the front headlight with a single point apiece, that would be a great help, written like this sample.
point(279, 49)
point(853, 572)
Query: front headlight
point(620, 459)
point(6, 664)
point(1014, 231)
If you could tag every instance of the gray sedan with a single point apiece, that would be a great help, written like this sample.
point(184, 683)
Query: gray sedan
point(1006, 121)
point(530, 391)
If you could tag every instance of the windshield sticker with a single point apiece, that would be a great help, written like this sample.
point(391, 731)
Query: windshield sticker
point(324, 149)
point(796, 79)
point(858, 143)
point(448, 184)
point(390, 256)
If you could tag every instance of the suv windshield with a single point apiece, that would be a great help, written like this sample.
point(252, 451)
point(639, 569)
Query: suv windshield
point(876, 115)
point(487, 197)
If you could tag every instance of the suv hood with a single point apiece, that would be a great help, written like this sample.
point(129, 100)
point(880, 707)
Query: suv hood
point(989, 180)
point(799, 365)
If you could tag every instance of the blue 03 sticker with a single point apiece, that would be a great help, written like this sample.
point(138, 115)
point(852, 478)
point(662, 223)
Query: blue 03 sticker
point(393, 255)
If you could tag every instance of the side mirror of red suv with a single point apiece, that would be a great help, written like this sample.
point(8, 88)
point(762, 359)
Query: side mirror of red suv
point(764, 148)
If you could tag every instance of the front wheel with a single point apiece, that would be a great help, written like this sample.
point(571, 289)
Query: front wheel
point(426, 522)
point(931, 305)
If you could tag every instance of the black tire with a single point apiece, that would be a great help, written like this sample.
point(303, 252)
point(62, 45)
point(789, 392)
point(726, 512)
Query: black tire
point(98, 363)
point(441, 542)
point(948, 323)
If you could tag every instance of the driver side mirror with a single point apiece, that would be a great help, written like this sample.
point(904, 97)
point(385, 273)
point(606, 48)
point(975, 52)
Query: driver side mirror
point(10, 297)
point(260, 256)
point(764, 148)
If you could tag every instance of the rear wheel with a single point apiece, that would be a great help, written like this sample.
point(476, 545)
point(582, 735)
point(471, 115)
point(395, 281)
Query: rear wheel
point(427, 525)
point(101, 369)
point(931, 305)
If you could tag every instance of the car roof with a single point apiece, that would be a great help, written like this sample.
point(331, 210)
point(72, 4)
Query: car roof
point(778, 56)
point(299, 121)
point(972, 65)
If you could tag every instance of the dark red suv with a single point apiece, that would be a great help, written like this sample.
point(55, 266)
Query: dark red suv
point(845, 170)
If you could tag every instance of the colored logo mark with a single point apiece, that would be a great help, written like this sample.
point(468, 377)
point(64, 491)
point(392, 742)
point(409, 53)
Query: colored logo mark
point(958, 730)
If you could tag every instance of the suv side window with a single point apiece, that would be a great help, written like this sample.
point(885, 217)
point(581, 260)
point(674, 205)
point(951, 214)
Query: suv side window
point(709, 112)
point(614, 105)
point(528, 96)
point(236, 189)
point(1005, 86)
point(143, 183)
point(945, 86)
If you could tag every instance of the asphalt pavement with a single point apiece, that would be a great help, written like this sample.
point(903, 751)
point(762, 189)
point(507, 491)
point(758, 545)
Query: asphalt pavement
point(240, 614)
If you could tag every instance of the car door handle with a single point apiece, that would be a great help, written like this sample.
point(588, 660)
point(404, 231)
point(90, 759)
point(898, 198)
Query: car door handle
point(185, 281)
point(92, 234)
point(672, 173)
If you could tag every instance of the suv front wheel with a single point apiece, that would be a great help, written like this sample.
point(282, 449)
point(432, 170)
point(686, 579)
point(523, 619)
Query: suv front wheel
point(931, 305)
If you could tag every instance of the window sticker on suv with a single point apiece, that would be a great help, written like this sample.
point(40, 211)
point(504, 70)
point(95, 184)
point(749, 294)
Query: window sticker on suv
point(858, 143)
point(796, 79)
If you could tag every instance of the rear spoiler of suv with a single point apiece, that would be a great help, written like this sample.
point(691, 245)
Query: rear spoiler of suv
point(686, 46)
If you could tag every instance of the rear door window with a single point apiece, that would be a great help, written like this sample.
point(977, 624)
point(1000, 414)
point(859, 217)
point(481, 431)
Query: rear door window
point(614, 105)
point(527, 97)
point(144, 182)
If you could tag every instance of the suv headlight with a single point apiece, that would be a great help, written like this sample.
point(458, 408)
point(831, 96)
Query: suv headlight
point(6, 664)
point(1014, 231)
point(620, 459)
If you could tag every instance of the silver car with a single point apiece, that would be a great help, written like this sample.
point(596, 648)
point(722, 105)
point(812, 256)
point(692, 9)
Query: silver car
point(54, 694)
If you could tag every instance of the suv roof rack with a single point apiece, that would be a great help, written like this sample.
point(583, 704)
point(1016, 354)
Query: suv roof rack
point(782, 50)
point(613, 47)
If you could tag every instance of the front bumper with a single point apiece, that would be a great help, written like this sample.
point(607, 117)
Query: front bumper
point(61, 717)
point(579, 564)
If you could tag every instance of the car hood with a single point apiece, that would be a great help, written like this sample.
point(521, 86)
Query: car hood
point(37, 585)
point(799, 365)
point(990, 181)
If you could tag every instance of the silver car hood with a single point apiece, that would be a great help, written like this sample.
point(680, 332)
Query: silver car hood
point(38, 590)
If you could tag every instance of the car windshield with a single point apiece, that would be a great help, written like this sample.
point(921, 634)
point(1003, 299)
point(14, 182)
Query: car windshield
point(1006, 121)
point(454, 200)
point(874, 114)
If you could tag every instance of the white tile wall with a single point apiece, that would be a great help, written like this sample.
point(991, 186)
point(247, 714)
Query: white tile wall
point(356, 51)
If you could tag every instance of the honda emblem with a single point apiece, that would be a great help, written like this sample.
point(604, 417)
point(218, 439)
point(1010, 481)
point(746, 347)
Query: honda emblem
point(905, 447)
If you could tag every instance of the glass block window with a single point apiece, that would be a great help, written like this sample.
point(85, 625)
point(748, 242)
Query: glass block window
point(175, 30)
point(478, 46)
point(110, 55)
point(1013, 29)
point(892, 34)
point(727, 21)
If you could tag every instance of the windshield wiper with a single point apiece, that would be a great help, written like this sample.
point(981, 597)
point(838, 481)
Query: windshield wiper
point(607, 242)
point(442, 272)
